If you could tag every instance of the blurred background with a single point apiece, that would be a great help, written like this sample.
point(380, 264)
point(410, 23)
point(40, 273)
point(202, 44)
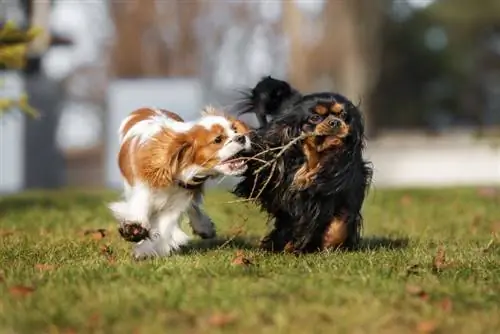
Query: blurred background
point(426, 73)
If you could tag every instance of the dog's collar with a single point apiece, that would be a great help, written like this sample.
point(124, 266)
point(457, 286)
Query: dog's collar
point(195, 183)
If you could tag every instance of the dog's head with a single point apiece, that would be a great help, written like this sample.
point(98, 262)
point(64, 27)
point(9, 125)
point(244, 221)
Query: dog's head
point(166, 150)
point(210, 147)
point(332, 120)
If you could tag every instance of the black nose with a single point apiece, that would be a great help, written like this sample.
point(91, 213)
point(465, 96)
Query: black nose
point(240, 139)
point(334, 123)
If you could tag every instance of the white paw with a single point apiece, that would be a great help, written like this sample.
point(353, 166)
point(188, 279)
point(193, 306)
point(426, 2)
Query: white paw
point(145, 249)
point(179, 239)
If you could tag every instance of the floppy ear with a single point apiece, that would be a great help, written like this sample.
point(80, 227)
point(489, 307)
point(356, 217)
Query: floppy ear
point(163, 157)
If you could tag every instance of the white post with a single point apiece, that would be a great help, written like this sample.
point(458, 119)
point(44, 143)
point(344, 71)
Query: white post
point(11, 135)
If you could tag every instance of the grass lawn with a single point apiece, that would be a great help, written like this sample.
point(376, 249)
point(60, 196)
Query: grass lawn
point(430, 264)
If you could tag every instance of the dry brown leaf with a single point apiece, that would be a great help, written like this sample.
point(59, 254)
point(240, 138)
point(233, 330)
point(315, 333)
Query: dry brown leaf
point(6, 233)
point(417, 291)
point(406, 200)
point(97, 234)
point(21, 290)
point(241, 260)
point(446, 305)
point(439, 261)
point(428, 326)
point(44, 266)
point(221, 319)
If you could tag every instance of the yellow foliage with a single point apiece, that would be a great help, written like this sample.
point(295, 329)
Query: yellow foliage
point(14, 43)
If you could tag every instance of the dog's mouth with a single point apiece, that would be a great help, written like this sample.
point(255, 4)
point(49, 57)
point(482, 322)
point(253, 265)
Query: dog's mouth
point(233, 166)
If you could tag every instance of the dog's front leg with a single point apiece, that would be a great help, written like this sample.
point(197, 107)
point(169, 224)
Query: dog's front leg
point(135, 209)
point(166, 236)
point(200, 222)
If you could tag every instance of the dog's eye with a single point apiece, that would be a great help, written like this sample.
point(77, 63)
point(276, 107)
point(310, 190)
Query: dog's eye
point(315, 119)
point(343, 114)
point(234, 128)
point(218, 140)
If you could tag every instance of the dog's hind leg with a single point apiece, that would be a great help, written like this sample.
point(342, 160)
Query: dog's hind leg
point(280, 236)
point(342, 232)
point(201, 224)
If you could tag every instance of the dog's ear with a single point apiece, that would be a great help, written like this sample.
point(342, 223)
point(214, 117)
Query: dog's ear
point(267, 98)
point(163, 157)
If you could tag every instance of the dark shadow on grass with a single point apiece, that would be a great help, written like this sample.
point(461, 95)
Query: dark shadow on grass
point(223, 242)
point(372, 243)
point(376, 243)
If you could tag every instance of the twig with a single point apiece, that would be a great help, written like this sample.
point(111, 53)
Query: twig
point(267, 181)
point(273, 162)
point(283, 148)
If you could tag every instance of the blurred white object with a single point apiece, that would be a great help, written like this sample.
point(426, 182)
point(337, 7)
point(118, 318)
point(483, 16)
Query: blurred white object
point(11, 136)
point(80, 126)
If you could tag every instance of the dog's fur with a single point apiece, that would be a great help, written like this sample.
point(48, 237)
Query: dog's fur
point(164, 163)
point(316, 191)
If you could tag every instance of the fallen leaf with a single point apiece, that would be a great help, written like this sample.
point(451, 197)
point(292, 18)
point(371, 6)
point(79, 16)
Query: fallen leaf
point(439, 261)
point(221, 319)
point(427, 326)
point(6, 233)
point(406, 200)
point(44, 266)
point(446, 305)
point(240, 259)
point(417, 291)
point(20, 290)
point(96, 234)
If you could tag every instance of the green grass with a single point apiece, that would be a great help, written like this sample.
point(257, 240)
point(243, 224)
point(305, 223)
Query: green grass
point(78, 289)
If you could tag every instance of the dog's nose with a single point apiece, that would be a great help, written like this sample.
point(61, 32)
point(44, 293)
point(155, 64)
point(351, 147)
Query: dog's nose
point(334, 123)
point(240, 139)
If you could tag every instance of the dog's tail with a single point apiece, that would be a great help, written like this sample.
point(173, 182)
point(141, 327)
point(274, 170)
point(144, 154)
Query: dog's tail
point(267, 98)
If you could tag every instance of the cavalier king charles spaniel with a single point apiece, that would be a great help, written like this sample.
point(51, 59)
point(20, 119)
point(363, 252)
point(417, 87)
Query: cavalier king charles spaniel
point(315, 188)
point(164, 163)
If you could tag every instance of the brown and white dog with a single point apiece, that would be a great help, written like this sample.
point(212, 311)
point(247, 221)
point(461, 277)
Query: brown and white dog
point(164, 163)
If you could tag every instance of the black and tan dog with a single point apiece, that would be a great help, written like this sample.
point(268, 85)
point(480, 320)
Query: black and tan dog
point(316, 188)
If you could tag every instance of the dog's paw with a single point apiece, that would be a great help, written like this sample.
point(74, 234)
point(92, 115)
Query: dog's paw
point(133, 232)
point(145, 250)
